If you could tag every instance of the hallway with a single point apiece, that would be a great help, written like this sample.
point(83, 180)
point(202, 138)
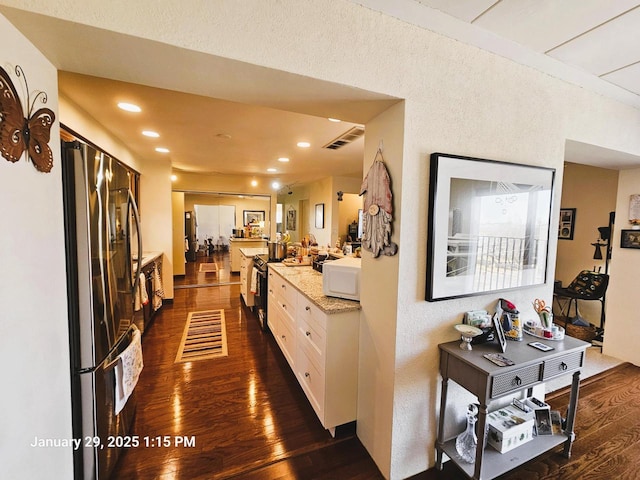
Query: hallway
point(246, 412)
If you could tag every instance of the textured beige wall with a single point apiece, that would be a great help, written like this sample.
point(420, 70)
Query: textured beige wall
point(621, 336)
point(592, 192)
point(458, 99)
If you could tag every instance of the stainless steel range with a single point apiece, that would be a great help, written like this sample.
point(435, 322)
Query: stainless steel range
point(260, 297)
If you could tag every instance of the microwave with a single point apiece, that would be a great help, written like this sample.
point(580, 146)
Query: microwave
point(341, 278)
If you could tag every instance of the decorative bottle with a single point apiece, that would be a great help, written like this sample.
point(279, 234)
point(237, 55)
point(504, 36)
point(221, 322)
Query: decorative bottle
point(467, 441)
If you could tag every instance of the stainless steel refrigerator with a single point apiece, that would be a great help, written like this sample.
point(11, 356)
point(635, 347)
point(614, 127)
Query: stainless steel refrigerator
point(102, 238)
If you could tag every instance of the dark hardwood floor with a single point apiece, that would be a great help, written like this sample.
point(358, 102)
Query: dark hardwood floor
point(251, 420)
point(246, 412)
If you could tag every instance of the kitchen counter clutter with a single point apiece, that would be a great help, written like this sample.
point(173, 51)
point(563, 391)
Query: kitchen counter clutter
point(309, 282)
point(318, 336)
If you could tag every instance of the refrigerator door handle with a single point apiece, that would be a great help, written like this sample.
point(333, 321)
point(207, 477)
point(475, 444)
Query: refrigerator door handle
point(136, 216)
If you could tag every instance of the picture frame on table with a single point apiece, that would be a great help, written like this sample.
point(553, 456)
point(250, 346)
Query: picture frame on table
point(566, 223)
point(500, 335)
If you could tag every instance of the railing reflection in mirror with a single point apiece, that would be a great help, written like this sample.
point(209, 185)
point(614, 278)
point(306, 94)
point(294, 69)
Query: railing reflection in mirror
point(493, 263)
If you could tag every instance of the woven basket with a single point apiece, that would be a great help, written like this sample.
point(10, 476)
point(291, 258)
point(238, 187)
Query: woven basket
point(576, 331)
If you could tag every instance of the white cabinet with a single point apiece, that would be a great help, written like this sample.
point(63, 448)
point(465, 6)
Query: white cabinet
point(282, 302)
point(321, 348)
point(246, 271)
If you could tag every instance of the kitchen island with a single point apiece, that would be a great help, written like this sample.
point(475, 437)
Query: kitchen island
point(319, 337)
point(235, 244)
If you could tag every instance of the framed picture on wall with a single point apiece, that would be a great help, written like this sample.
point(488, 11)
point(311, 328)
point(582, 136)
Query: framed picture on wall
point(252, 216)
point(319, 215)
point(567, 223)
point(630, 239)
point(489, 226)
point(291, 219)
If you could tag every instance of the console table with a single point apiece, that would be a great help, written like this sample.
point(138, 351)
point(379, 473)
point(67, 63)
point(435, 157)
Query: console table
point(488, 382)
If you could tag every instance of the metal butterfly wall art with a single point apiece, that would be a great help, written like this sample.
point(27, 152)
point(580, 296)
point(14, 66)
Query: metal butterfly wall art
point(20, 133)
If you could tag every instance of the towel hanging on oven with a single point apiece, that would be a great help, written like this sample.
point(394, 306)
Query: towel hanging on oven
point(377, 215)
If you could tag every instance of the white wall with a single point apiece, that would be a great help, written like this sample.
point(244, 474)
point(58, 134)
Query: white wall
point(34, 336)
point(458, 99)
point(621, 336)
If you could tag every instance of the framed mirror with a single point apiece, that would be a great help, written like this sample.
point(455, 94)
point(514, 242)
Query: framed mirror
point(488, 227)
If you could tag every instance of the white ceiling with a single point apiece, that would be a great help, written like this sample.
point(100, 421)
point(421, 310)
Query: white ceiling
point(592, 43)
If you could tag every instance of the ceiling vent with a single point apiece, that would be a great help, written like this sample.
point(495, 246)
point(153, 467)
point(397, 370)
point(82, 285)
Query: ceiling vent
point(346, 138)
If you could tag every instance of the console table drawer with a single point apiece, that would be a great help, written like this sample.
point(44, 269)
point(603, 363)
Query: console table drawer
point(558, 366)
point(515, 380)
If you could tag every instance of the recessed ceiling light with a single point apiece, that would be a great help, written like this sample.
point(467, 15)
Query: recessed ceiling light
point(271, 170)
point(174, 178)
point(304, 144)
point(150, 133)
point(129, 107)
point(283, 159)
point(162, 150)
point(275, 185)
point(334, 120)
point(254, 183)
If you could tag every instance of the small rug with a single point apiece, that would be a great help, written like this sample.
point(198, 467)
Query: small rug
point(204, 337)
point(211, 267)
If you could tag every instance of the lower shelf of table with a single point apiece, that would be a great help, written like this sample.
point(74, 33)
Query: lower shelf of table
point(495, 463)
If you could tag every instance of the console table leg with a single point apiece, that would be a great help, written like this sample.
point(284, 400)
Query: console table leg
point(443, 406)
point(571, 414)
point(482, 422)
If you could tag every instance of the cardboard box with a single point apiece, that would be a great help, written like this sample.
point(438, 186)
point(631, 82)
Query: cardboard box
point(509, 427)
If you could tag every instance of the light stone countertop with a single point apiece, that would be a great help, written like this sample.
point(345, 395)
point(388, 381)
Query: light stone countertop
point(309, 282)
point(248, 239)
point(147, 258)
point(252, 252)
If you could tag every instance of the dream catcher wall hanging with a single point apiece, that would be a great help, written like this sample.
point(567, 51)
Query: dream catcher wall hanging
point(20, 133)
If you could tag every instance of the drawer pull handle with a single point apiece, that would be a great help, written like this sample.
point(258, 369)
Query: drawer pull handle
point(283, 286)
point(564, 366)
point(307, 308)
point(307, 333)
point(306, 374)
point(517, 381)
point(284, 337)
point(284, 306)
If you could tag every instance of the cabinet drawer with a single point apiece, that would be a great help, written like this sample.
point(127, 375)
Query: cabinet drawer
point(287, 340)
point(288, 310)
point(312, 381)
point(312, 340)
point(287, 293)
point(560, 365)
point(311, 314)
point(515, 380)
